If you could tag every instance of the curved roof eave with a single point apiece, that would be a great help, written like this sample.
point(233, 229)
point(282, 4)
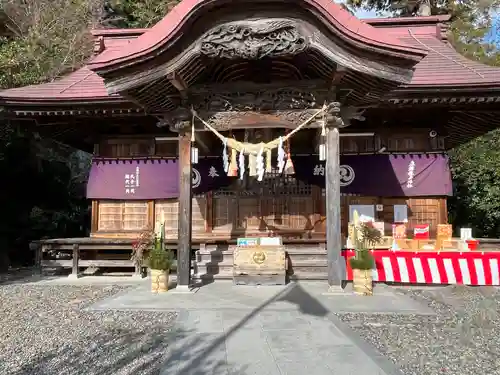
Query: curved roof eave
point(346, 26)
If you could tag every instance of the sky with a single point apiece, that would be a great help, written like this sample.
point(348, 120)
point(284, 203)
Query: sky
point(366, 14)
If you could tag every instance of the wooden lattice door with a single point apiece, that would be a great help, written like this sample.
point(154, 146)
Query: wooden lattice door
point(279, 203)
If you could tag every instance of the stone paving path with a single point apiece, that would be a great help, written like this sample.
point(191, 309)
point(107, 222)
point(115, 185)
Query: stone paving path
point(226, 329)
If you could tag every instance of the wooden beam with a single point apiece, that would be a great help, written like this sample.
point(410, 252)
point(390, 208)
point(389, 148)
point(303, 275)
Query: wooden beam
point(185, 212)
point(178, 82)
point(94, 225)
point(209, 212)
point(67, 263)
point(333, 218)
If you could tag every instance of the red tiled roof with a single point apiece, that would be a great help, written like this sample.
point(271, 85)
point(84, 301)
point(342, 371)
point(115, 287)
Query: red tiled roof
point(83, 84)
point(442, 67)
point(348, 26)
point(79, 85)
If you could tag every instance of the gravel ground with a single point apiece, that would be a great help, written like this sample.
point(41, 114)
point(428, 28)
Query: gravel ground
point(44, 330)
point(462, 339)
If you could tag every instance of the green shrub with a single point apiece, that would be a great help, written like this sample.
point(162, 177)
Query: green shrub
point(160, 259)
point(365, 237)
point(363, 260)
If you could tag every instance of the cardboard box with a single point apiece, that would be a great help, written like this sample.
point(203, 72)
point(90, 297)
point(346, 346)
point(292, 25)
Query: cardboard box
point(444, 231)
point(448, 245)
point(399, 231)
point(406, 244)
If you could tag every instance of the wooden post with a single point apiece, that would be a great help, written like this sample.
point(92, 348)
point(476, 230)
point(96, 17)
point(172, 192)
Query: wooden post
point(185, 212)
point(37, 250)
point(333, 219)
point(76, 257)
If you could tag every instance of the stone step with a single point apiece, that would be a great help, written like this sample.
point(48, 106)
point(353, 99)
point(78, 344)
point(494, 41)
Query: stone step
point(290, 249)
point(318, 267)
point(296, 263)
point(308, 257)
point(309, 276)
point(221, 256)
point(295, 276)
point(308, 262)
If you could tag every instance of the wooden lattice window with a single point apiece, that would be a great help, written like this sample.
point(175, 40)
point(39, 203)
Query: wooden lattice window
point(122, 216)
point(357, 144)
point(167, 148)
point(170, 210)
point(424, 211)
point(402, 144)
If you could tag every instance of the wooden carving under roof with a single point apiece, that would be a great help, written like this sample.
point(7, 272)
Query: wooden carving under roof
point(255, 39)
point(267, 38)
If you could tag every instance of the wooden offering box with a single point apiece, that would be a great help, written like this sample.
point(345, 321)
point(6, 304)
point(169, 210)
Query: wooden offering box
point(258, 262)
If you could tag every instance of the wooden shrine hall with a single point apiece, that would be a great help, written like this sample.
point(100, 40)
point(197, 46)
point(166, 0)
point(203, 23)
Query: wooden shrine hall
point(273, 118)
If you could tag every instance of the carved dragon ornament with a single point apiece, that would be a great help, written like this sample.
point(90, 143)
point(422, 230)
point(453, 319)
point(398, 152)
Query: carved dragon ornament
point(255, 39)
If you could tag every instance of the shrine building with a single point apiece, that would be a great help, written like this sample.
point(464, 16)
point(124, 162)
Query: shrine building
point(273, 118)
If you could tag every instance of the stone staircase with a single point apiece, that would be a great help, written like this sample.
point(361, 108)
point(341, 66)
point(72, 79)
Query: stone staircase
point(305, 262)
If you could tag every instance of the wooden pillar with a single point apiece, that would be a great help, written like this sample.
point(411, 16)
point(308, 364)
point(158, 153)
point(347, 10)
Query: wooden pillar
point(333, 218)
point(76, 258)
point(36, 248)
point(185, 212)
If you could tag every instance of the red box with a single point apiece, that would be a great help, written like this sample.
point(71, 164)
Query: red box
point(472, 244)
point(421, 232)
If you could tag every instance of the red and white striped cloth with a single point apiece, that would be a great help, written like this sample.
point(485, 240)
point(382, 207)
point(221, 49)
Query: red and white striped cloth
point(469, 268)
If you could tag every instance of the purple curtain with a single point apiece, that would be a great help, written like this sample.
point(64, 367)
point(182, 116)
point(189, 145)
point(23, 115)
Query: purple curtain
point(383, 175)
point(150, 179)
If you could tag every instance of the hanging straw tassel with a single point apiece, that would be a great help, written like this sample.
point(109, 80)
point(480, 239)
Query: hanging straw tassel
point(322, 152)
point(289, 169)
point(233, 166)
point(225, 157)
point(252, 165)
point(241, 164)
point(322, 145)
point(281, 156)
point(269, 166)
point(194, 149)
point(260, 165)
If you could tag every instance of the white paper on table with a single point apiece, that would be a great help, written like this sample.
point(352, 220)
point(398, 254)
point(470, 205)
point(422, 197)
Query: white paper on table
point(270, 241)
point(380, 225)
point(465, 234)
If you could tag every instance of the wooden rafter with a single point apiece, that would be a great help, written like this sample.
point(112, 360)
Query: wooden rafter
point(178, 82)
